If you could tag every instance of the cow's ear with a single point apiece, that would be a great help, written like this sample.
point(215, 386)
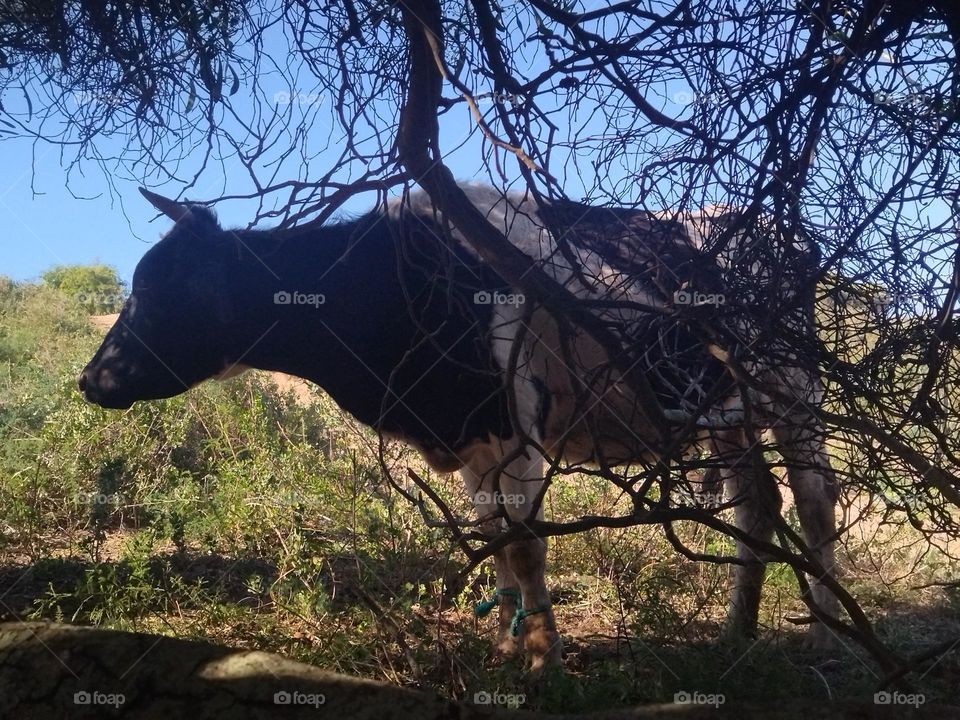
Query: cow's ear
point(200, 220)
point(198, 217)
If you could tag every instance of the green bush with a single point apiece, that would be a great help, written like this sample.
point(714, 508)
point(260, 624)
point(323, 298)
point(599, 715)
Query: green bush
point(237, 514)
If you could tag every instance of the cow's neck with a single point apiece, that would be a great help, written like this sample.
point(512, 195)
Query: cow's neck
point(331, 276)
point(391, 317)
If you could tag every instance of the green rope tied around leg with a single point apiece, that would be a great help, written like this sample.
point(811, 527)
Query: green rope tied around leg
point(483, 609)
point(521, 615)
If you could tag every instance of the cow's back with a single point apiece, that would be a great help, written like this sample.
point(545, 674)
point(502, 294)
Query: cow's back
point(630, 264)
point(644, 274)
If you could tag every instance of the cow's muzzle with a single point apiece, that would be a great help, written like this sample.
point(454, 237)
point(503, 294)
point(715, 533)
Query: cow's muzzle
point(99, 387)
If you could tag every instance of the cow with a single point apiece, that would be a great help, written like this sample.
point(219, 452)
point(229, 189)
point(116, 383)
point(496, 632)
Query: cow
point(400, 321)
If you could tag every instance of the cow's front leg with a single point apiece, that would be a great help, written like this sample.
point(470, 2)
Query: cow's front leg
point(507, 600)
point(509, 645)
point(507, 597)
point(535, 619)
point(510, 491)
point(520, 483)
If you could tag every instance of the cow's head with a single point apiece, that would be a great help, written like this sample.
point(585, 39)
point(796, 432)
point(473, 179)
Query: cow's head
point(168, 336)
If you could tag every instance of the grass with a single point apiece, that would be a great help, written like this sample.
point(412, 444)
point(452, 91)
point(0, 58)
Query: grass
point(238, 514)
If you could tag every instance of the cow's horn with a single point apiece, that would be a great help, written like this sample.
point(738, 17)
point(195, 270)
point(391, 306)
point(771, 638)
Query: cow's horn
point(171, 208)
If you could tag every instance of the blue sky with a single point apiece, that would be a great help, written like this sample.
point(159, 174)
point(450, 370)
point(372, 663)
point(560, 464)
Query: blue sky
point(48, 224)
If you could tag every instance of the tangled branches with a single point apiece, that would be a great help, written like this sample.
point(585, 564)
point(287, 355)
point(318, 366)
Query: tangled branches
point(831, 124)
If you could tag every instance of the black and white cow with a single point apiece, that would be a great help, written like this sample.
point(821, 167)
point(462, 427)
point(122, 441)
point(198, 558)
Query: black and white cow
point(406, 329)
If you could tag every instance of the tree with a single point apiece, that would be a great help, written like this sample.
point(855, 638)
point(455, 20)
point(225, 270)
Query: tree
point(97, 288)
point(834, 121)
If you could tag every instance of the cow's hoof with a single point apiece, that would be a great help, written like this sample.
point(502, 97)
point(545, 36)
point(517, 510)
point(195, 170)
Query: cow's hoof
point(545, 676)
point(542, 665)
point(508, 648)
point(544, 649)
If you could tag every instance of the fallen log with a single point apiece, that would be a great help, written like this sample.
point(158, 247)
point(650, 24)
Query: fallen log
point(48, 670)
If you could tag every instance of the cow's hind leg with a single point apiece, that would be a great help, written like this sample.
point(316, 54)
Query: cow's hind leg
point(513, 490)
point(749, 483)
point(815, 491)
